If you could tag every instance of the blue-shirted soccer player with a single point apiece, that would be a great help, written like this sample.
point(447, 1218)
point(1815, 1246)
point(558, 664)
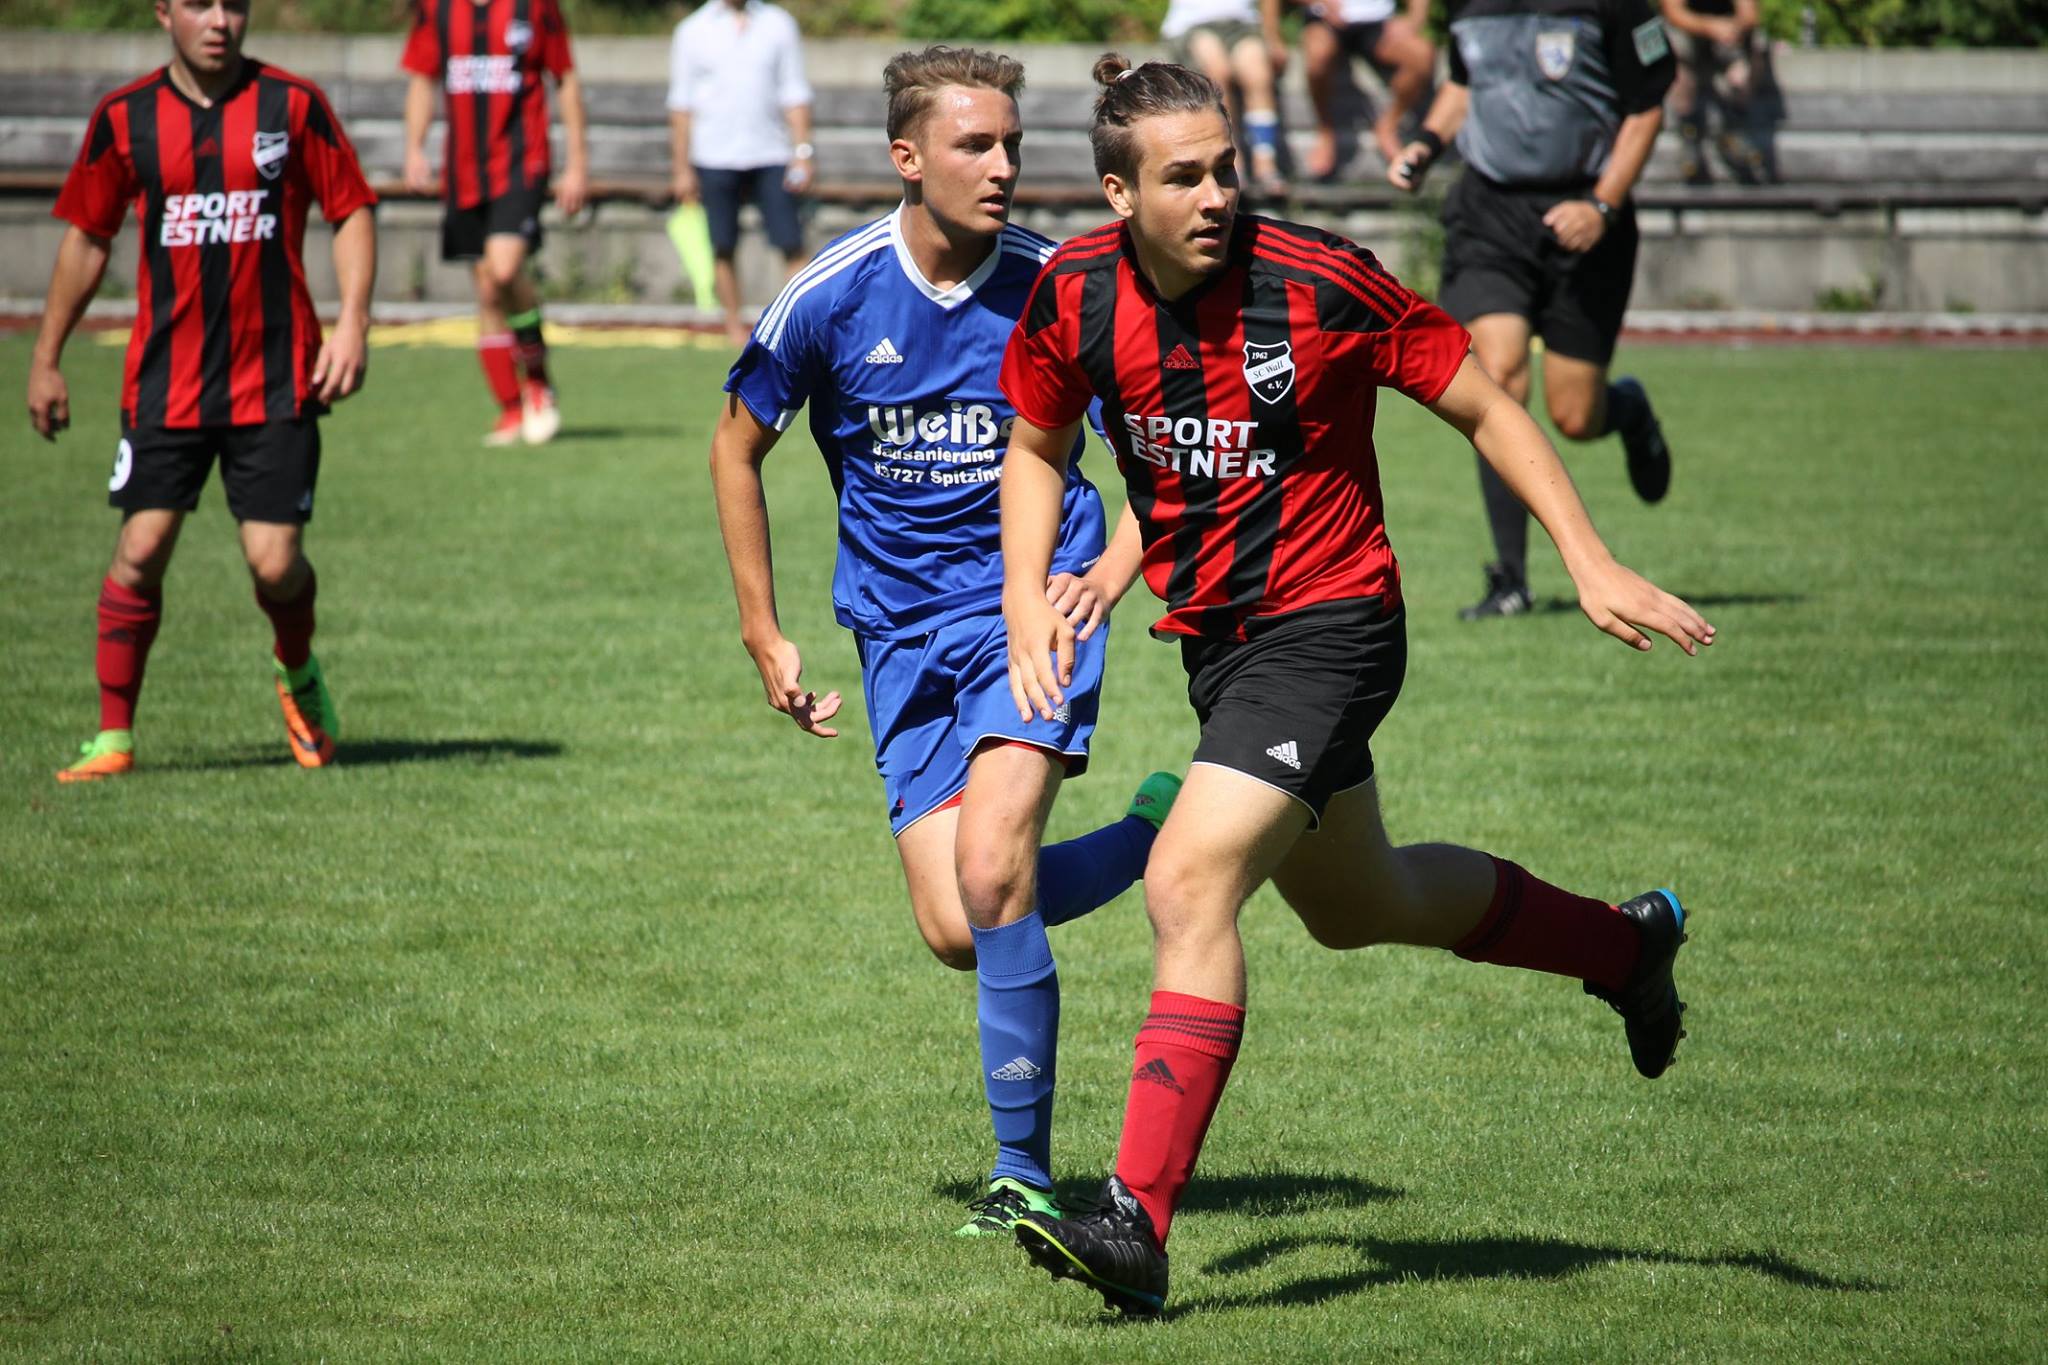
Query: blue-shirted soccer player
point(894, 336)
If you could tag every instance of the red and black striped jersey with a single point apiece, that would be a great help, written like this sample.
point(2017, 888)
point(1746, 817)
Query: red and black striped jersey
point(225, 332)
point(489, 56)
point(1240, 413)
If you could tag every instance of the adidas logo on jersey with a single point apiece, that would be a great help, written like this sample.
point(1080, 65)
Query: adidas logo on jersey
point(1286, 753)
point(1179, 359)
point(1017, 1069)
point(885, 353)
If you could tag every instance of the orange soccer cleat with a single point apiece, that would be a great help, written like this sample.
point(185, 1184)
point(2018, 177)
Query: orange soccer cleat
point(110, 753)
point(309, 719)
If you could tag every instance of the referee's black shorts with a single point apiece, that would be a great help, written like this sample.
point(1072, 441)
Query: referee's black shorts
point(1500, 258)
point(1295, 704)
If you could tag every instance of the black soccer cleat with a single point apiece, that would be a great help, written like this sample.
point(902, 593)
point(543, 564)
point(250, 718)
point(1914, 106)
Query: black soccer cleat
point(1649, 459)
point(1650, 1009)
point(1506, 595)
point(1111, 1248)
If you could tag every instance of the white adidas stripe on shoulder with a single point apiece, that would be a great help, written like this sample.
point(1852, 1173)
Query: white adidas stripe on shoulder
point(829, 262)
point(1020, 241)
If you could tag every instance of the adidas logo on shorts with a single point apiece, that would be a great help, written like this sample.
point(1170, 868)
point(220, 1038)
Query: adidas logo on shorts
point(1017, 1069)
point(1286, 753)
point(885, 353)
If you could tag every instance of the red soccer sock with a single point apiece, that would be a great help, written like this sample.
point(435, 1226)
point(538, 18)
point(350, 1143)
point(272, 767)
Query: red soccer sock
point(1544, 928)
point(501, 370)
point(1185, 1051)
point(128, 624)
point(293, 622)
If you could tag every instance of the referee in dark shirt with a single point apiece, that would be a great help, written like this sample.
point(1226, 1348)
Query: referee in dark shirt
point(1555, 105)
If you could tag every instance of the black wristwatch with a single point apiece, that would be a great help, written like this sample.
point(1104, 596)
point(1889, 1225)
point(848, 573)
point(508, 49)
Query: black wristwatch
point(1603, 208)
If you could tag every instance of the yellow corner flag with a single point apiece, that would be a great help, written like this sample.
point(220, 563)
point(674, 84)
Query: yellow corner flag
point(690, 233)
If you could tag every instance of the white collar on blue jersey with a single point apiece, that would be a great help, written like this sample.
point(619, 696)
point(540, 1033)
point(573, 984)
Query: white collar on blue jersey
point(945, 298)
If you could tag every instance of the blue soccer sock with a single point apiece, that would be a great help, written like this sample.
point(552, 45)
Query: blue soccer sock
point(1085, 873)
point(1018, 1010)
point(1262, 130)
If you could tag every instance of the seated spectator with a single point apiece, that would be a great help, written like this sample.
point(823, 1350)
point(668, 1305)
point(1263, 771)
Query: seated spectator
point(1723, 60)
point(1237, 44)
point(1398, 48)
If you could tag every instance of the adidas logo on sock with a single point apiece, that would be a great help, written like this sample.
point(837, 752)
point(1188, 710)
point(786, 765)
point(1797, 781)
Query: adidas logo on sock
point(885, 353)
point(1179, 359)
point(1016, 1069)
point(1286, 753)
point(1158, 1073)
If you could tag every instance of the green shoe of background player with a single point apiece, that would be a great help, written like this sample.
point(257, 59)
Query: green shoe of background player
point(1154, 799)
point(997, 1211)
point(309, 720)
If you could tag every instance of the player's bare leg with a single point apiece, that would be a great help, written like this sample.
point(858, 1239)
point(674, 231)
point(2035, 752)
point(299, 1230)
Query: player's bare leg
point(1352, 888)
point(286, 587)
point(130, 608)
point(1225, 835)
point(926, 851)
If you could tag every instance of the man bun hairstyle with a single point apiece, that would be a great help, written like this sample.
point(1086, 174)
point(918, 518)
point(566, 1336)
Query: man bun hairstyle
point(1130, 93)
point(912, 80)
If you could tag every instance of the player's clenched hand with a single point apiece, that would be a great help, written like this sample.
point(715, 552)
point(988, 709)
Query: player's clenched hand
point(782, 671)
point(344, 356)
point(1041, 656)
point(1080, 600)
point(49, 400)
point(1625, 604)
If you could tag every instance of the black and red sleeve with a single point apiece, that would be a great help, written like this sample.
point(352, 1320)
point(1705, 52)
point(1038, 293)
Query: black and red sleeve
point(423, 55)
point(102, 180)
point(332, 171)
point(1042, 374)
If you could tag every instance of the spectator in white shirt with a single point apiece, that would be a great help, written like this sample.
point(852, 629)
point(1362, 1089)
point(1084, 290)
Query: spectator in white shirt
point(740, 129)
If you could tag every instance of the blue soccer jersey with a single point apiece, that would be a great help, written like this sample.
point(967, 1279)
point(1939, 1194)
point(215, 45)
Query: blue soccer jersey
point(901, 381)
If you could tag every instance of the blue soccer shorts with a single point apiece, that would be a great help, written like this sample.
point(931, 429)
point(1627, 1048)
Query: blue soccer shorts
point(934, 699)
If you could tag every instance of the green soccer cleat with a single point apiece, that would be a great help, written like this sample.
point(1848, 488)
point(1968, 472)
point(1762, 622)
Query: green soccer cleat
point(309, 719)
point(1007, 1200)
point(110, 753)
point(1154, 799)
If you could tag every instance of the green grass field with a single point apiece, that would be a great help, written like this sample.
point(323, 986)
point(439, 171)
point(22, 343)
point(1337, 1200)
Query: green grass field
point(579, 1014)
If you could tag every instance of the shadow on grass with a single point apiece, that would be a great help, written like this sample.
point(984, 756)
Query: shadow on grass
point(375, 752)
point(604, 433)
point(1387, 1261)
point(1258, 1196)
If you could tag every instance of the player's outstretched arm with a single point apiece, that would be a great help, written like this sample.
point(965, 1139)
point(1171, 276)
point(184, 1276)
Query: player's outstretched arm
point(81, 264)
point(739, 444)
point(345, 351)
point(1041, 639)
point(1614, 597)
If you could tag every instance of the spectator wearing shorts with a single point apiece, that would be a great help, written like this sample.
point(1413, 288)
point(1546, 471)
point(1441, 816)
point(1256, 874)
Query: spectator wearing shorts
point(1555, 105)
point(1237, 44)
point(1395, 44)
point(740, 132)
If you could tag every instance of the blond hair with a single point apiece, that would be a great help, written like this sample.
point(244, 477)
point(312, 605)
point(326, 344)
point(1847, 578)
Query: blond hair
point(913, 80)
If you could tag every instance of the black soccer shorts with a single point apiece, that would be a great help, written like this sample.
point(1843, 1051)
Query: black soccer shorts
point(1500, 258)
point(464, 231)
point(269, 469)
point(1295, 705)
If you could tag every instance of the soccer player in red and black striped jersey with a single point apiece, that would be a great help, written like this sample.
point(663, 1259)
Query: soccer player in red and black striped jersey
point(1238, 362)
point(222, 157)
point(490, 57)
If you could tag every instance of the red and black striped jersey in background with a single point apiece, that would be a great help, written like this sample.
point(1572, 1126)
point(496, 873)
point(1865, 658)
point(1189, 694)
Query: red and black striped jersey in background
point(489, 56)
point(1241, 413)
point(225, 332)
